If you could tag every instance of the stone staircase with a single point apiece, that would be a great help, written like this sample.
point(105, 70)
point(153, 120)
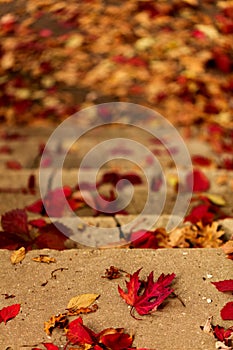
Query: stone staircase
point(175, 327)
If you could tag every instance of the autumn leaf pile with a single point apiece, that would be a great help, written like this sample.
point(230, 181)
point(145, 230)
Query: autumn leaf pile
point(162, 54)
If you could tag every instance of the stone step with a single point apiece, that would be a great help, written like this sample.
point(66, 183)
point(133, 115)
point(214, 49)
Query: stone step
point(175, 326)
point(26, 143)
point(13, 184)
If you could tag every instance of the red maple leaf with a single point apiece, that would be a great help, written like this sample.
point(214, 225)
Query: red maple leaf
point(9, 312)
point(146, 296)
point(15, 221)
point(224, 286)
point(227, 311)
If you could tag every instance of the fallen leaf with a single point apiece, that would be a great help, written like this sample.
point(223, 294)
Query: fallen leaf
point(18, 255)
point(201, 160)
point(224, 286)
point(15, 221)
point(197, 236)
point(44, 259)
point(200, 213)
point(78, 333)
point(82, 301)
point(113, 273)
point(13, 164)
point(59, 321)
point(207, 211)
point(9, 312)
point(149, 239)
point(227, 311)
point(216, 199)
point(38, 223)
point(146, 296)
point(197, 181)
point(56, 203)
point(52, 237)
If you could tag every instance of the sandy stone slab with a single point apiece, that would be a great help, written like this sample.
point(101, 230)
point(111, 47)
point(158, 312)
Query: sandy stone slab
point(173, 327)
point(90, 231)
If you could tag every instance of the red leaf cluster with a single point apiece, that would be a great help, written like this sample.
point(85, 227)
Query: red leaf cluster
point(223, 335)
point(17, 232)
point(110, 338)
point(146, 296)
point(206, 212)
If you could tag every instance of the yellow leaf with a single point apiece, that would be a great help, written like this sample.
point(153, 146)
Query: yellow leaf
point(18, 255)
point(82, 301)
point(216, 199)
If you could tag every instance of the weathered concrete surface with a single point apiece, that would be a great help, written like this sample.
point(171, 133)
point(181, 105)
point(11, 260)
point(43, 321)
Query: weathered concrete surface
point(174, 327)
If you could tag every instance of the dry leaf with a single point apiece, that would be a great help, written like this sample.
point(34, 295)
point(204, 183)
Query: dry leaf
point(197, 236)
point(44, 259)
point(81, 301)
point(58, 321)
point(18, 255)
